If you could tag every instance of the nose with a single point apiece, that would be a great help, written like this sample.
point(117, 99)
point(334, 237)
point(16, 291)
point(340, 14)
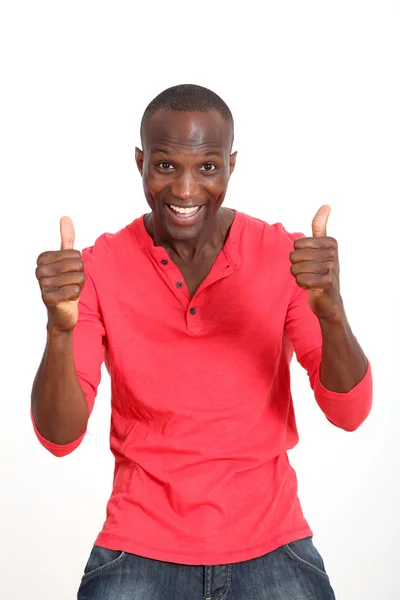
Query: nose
point(185, 186)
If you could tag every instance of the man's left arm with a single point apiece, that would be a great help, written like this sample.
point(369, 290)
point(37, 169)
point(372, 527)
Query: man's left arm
point(342, 381)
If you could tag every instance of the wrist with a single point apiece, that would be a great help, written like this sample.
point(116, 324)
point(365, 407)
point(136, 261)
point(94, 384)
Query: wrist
point(336, 317)
point(54, 332)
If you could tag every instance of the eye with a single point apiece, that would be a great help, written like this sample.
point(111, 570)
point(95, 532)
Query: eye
point(208, 167)
point(165, 166)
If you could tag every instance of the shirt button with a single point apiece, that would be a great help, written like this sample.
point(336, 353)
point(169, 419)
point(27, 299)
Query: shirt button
point(179, 284)
point(164, 262)
point(192, 311)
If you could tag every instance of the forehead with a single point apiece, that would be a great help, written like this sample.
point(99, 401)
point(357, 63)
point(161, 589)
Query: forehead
point(187, 130)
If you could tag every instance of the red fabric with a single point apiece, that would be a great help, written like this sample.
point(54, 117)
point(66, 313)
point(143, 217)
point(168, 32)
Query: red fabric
point(202, 412)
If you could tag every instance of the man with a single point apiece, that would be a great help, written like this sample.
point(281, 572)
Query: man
point(196, 310)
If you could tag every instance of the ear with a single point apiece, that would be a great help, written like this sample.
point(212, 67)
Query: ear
point(139, 159)
point(232, 162)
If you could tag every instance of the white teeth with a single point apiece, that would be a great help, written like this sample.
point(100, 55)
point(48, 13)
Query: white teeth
point(185, 211)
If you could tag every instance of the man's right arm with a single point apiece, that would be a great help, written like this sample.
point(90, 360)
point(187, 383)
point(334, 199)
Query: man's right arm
point(66, 382)
point(59, 406)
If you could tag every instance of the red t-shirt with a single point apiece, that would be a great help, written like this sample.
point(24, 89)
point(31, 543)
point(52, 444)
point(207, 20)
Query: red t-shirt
point(202, 412)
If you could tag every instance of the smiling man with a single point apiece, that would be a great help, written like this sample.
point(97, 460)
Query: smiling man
point(196, 310)
point(186, 163)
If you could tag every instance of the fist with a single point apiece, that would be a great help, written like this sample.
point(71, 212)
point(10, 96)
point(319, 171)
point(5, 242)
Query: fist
point(61, 277)
point(315, 266)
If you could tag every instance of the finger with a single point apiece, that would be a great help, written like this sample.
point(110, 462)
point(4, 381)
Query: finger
point(309, 281)
point(52, 256)
point(67, 231)
point(314, 267)
point(313, 254)
point(320, 221)
point(68, 265)
point(316, 243)
point(59, 281)
point(65, 294)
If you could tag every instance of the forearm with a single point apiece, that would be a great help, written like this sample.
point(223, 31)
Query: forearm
point(59, 405)
point(343, 362)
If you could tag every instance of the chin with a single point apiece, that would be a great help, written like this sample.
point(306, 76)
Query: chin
point(183, 226)
point(183, 233)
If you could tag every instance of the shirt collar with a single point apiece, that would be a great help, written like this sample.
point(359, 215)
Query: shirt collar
point(231, 247)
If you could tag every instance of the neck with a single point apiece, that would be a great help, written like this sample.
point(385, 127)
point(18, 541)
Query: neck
point(212, 237)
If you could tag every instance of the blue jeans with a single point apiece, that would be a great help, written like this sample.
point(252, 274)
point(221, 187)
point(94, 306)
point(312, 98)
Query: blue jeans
point(293, 572)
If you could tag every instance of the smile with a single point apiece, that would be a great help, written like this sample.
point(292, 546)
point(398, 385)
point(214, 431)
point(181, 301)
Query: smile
point(184, 213)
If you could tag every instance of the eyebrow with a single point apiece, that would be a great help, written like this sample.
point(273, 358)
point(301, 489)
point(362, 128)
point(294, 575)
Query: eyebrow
point(212, 153)
point(161, 150)
point(167, 153)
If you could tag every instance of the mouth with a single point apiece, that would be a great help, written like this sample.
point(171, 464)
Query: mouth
point(187, 215)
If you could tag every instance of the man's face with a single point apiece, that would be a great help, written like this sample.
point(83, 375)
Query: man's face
point(186, 164)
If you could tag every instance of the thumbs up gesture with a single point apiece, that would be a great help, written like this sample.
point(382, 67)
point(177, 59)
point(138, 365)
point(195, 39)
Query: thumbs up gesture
point(315, 266)
point(61, 277)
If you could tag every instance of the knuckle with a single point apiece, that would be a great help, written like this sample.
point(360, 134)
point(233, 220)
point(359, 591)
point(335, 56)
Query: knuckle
point(332, 254)
point(298, 243)
point(75, 292)
point(45, 283)
point(332, 269)
point(302, 281)
point(42, 258)
point(44, 272)
point(48, 297)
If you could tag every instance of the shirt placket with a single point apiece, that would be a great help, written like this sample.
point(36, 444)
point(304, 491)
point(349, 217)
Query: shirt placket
point(223, 267)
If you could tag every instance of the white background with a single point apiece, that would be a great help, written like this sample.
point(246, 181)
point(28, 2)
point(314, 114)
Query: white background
point(313, 87)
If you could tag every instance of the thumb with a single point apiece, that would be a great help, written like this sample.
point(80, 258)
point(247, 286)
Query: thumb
point(67, 231)
point(320, 221)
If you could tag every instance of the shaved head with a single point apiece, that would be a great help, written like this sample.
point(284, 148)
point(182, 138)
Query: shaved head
point(188, 98)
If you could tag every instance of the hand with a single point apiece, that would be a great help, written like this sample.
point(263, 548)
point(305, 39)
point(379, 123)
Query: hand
point(315, 266)
point(61, 277)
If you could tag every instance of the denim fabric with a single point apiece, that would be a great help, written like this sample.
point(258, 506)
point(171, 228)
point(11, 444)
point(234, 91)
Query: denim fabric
point(293, 572)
